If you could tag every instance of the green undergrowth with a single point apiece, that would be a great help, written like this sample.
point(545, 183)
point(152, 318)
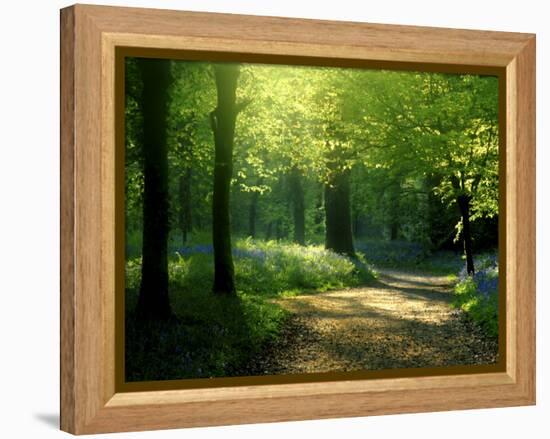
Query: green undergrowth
point(212, 336)
point(477, 295)
point(409, 255)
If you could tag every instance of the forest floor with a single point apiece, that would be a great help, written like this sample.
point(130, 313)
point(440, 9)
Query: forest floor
point(403, 319)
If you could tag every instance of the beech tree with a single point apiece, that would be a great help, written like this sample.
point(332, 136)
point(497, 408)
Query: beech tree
point(223, 120)
point(153, 295)
point(303, 154)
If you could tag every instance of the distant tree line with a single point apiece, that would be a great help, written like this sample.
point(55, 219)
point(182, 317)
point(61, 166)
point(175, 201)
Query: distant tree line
point(303, 153)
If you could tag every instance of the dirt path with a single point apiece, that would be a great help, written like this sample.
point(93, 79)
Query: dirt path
point(404, 319)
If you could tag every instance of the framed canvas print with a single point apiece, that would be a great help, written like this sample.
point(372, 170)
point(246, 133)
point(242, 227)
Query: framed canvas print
point(268, 219)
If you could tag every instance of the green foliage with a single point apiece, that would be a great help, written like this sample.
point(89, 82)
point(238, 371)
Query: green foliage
point(483, 310)
point(411, 142)
point(271, 268)
point(477, 296)
point(410, 255)
point(216, 336)
point(264, 268)
point(212, 336)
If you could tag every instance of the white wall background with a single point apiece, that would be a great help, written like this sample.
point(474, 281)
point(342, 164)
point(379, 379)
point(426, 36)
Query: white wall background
point(29, 218)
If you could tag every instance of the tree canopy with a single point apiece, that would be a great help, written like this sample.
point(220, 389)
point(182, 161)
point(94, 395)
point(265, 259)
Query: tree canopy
point(315, 154)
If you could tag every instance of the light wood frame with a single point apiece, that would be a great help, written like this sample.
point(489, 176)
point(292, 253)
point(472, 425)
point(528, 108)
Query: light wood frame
point(89, 38)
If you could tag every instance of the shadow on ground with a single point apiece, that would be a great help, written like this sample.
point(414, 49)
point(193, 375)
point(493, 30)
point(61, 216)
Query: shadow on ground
point(50, 419)
point(402, 320)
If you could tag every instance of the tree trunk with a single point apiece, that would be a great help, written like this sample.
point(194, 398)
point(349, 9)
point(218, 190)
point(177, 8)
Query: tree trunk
point(440, 219)
point(153, 302)
point(319, 211)
point(268, 230)
point(394, 227)
point(253, 210)
point(464, 205)
point(338, 237)
point(278, 230)
point(394, 210)
point(298, 206)
point(185, 204)
point(223, 120)
point(355, 223)
point(252, 214)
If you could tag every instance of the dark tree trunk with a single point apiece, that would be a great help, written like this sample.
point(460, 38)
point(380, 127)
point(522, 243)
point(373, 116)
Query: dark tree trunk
point(355, 223)
point(223, 120)
point(268, 231)
point(252, 213)
point(441, 219)
point(319, 211)
point(394, 228)
point(153, 302)
point(253, 210)
point(464, 206)
point(278, 230)
point(185, 204)
point(298, 206)
point(394, 210)
point(338, 237)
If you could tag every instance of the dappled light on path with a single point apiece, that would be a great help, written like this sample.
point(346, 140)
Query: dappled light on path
point(403, 319)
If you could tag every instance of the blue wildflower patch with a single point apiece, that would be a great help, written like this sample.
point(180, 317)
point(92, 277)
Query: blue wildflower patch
point(477, 295)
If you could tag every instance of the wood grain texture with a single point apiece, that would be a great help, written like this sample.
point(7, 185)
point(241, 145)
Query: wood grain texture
point(90, 35)
point(90, 318)
point(276, 409)
point(525, 220)
point(67, 254)
point(511, 212)
point(315, 37)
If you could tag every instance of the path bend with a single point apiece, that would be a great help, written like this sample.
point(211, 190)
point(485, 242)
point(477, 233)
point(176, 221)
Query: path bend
point(402, 320)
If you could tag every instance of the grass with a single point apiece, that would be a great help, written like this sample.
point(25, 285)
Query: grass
point(477, 295)
point(216, 336)
point(212, 336)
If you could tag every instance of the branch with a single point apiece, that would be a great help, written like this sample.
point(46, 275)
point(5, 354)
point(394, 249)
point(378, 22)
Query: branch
point(455, 183)
point(242, 105)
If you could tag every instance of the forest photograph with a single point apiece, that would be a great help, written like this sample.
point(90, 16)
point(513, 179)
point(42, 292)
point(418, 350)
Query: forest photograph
point(287, 219)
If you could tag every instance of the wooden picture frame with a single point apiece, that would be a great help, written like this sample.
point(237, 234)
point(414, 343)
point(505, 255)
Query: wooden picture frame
point(90, 37)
